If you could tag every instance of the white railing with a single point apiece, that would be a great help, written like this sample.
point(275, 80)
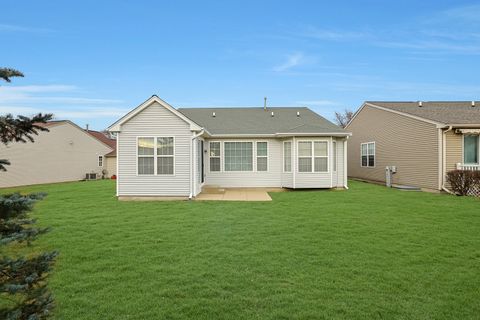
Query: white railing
point(474, 167)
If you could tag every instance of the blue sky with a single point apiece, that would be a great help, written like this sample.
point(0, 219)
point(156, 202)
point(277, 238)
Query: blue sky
point(92, 61)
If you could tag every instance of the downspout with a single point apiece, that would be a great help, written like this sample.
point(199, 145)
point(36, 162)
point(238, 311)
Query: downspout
point(345, 163)
point(444, 159)
point(192, 162)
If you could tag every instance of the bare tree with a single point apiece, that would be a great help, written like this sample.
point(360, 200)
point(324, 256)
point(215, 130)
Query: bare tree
point(343, 118)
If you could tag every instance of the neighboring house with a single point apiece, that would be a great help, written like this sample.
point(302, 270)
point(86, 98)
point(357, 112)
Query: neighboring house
point(65, 153)
point(163, 151)
point(110, 159)
point(422, 140)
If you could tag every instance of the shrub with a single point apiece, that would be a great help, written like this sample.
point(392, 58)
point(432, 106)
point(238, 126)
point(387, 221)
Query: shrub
point(464, 182)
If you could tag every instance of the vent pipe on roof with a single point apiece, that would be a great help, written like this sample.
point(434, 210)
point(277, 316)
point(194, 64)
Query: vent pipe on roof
point(420, 104)
point(265, 103)
point(298, 113)
point(86, 127)
point(272, 113)
point(473, 104)
point(213, 114)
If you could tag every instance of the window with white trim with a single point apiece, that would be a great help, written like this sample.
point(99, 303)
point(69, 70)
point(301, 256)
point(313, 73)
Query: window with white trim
point(238, 156)
point(312, 156)
point(100, 161)
point(165, 155)
point(368, 154)
point(146, 156)
point(215, 162)
point(470, 149)
point(156, 155)
point(287, 156)
point(262, 156)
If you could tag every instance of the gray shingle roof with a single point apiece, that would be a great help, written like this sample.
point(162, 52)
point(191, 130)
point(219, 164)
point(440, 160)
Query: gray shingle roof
point(257, 121)
point(447, 112)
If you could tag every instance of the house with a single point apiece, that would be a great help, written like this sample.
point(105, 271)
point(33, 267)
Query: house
point(65, 153)
point(110, 159)
point(421, 141)
point(168, 152)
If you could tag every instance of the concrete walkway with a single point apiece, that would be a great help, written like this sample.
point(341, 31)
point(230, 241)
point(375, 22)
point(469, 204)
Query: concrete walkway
point(236, 194)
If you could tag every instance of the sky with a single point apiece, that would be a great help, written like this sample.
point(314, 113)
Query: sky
point(93, 61)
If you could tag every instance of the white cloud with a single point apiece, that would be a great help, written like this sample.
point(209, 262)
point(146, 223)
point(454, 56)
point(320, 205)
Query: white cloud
point(18, 28)
point(84, 113)
point(292, 61)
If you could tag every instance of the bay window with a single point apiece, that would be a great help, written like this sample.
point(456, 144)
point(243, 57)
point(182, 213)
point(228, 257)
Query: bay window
point(287, 156)
point(312, 156)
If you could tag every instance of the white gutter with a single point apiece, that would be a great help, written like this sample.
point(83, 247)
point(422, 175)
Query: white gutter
point(444, 156)
point(192, 163)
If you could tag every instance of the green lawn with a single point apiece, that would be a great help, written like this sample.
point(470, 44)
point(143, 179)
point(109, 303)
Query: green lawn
point(365, 253)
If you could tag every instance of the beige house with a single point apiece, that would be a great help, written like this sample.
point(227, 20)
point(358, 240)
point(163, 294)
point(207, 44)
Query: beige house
point(418, 141)
point(167, 152)
point(65, 153)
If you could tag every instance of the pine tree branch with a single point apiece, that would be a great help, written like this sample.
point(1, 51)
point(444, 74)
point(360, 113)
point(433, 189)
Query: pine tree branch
point(7, 73)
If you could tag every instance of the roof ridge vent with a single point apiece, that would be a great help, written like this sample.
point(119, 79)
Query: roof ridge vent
point(473, 104)
point(420, 104)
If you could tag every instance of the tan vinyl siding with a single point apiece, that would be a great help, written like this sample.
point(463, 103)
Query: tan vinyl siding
point(270, 178)
point(154, 120)
point(454, 145)
point(111, 166)
point(409, 144)
point(66, 153)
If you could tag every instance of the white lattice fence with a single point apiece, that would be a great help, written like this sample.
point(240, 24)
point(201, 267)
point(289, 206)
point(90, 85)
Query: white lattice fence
point(475, 191)
point(471, 167)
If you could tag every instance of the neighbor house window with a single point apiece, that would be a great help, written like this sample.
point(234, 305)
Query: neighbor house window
point(146, 155)
point(262, 156)
point(156, 155)
point(312, 156)
point(165, 155)
point(100, 161)
point(368, 154)
point(238, 156)
point(215, 156)
point(287, 156)
point(470, 149)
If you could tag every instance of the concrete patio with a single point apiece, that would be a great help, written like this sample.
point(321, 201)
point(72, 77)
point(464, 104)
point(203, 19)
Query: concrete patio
point(236, 194)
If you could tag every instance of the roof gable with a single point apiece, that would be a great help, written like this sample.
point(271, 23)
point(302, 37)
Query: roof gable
point(116, 127)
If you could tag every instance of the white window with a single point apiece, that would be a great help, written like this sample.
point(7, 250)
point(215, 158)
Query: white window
point(100, 161)
point(238, 156)
point(287, 156)
point(334, 156)
point(368, 154)
point(155, 155)
point(262, 156)
point(471, 149)
point(165, 155)
point(215, 163)
point(312, 156)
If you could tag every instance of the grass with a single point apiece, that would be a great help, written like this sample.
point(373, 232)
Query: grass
point(365, 253)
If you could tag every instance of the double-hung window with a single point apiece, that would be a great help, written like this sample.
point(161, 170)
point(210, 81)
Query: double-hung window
point(100, 161)
point(470, 149)
point(215, 163)
point(238, 156)
point(287, 156)
point(368, 154)
point(312, 156)
point(155, 155)
point(262, 156)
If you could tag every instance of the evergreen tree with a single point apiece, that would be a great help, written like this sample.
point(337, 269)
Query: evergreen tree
point(22, 279)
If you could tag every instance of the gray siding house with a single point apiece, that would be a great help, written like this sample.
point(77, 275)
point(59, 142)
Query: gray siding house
point(422, 140)
point(168, 152)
